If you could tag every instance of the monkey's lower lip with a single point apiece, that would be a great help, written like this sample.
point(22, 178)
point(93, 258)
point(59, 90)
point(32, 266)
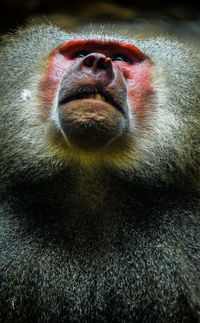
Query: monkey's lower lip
point(84, 110)
point(90, 124)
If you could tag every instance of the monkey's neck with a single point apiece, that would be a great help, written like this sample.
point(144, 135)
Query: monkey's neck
point(79, 205)
point(93, 189)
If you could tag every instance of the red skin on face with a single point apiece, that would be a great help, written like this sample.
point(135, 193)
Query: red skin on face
point(137, 72)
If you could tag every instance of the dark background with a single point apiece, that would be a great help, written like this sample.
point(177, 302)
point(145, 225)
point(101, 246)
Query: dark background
point(179, 17)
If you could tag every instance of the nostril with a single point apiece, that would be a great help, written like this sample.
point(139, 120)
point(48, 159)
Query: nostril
point(89, 60)
point(97, 61)
point(103, 62)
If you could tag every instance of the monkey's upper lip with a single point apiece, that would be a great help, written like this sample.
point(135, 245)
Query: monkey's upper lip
point(89, 93)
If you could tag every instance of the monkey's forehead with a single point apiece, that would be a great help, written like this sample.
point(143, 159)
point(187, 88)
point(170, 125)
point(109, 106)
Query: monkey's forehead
point(106, 39)
point(107, 45)
point(45, 38)
point(101, 32)
point(37, 42)
point(104, 32)
point(149, 46)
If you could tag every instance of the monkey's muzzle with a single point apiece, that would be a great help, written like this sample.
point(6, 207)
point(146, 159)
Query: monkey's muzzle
point(90, 122)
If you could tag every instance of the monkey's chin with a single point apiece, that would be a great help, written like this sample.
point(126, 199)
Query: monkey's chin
point(90, 124)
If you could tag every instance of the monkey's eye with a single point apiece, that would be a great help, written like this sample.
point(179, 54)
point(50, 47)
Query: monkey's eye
point(80, 54)
point(121, 58)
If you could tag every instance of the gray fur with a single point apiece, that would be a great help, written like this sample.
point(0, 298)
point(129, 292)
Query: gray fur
point(94, 238)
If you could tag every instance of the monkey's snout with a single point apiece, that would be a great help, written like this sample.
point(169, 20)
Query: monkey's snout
point(92, 109)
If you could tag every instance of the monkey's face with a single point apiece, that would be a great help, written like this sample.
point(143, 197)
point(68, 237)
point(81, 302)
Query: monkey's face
point(100, 92)
point(98, 101)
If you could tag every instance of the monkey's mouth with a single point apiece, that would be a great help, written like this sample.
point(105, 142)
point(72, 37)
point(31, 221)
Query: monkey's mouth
point(90, 118)
point(103, 96)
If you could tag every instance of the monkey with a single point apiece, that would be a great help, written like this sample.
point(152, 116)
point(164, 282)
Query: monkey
point(100, 175)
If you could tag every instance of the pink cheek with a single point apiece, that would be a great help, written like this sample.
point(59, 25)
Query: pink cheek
point(56, 67)
point(140, 89)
